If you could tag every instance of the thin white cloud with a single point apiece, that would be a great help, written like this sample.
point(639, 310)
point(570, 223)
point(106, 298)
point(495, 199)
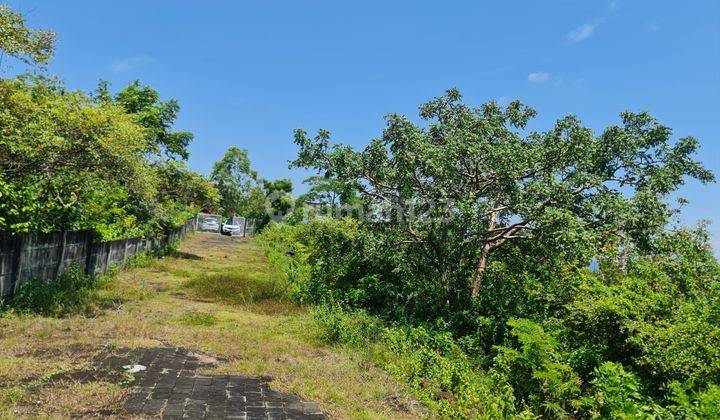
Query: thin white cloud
point(130, 63)
point(586, 30)
point(582, 32)
point(539, 77)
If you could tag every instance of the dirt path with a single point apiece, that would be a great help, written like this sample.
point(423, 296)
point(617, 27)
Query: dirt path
point(214, 336)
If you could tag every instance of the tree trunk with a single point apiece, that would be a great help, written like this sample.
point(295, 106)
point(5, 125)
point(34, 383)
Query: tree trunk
point(480, 269)
point(482, 259)
point(444, 282)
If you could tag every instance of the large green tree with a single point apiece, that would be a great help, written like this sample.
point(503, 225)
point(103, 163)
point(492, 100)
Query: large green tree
point(70, 162)
point(240, 188)
point(180, 185)
point(58, 148)
point(31, 46)
point(330, 193)
point(62, 153)
point(470, 181)
point(156, 115)
point(278, 193)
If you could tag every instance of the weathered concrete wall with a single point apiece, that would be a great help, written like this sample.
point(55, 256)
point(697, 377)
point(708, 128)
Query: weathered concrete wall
point(47, 255)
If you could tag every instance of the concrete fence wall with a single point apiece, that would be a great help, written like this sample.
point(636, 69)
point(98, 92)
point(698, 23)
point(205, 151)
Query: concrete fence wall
point(47, 255)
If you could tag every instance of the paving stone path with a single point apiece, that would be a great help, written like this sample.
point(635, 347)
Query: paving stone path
point(170, 388)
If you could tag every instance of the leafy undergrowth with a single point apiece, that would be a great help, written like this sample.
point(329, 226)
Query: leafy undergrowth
point(215, 295)
point(437, 370)
point(643, 345)
point(451, 385)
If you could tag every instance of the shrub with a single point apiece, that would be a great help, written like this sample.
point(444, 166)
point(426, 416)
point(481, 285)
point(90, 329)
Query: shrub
point(329, 261)
point(535, 369)
point(543, 337)
point(703, 404)
point(71, 291)
point(430, 362)
point(287, 255)
point(616, 393)
point(359, 330)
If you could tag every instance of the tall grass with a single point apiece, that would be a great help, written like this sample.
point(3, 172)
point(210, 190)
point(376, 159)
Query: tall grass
point(238, 286)
point(430, 363)
point(70, 292)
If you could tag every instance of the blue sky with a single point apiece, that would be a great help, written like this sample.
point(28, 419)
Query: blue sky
point(248, 73)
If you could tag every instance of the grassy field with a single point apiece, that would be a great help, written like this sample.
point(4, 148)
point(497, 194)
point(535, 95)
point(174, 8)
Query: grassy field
point(215, 295)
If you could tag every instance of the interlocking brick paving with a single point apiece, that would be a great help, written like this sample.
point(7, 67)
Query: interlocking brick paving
point(170, 388)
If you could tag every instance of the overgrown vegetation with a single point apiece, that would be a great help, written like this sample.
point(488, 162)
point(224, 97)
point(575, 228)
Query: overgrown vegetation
point(72, 291)
point(60, 156)
point(467, 273)
point(110, 162)
point(634, 342)
point(463, 269)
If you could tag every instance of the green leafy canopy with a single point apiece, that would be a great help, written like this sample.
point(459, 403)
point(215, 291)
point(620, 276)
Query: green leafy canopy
point(471, 180)
point(31, 46)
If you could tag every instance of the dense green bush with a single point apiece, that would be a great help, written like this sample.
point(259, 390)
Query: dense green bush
point(61, 153)
point(339, 262)
point(72, 291)
point(482, 233)
point(288, 255)
point(632, 339)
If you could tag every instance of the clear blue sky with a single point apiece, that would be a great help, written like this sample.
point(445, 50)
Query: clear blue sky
point(248, 73)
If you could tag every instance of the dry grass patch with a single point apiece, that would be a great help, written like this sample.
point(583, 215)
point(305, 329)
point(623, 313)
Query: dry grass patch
point(75, 399)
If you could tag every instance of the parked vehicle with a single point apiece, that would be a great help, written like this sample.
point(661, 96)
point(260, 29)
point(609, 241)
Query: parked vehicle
point(229, 227)
point(210, 224)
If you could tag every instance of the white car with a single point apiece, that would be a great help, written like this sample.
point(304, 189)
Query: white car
point(229, 227)
point(210, 224)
